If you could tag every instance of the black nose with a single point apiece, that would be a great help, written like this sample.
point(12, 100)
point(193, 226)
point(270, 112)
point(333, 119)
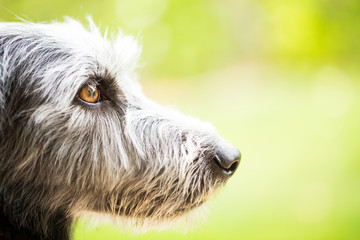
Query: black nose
point(227, 157)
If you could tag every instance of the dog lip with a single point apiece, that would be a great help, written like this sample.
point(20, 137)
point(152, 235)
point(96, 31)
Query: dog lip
point(189, 207)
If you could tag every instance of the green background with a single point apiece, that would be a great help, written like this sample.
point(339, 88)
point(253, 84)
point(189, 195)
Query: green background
point(278, 78)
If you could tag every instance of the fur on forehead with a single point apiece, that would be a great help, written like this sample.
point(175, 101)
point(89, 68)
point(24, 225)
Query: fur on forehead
point(122, 50)
point(88, 41)
point(92, 52)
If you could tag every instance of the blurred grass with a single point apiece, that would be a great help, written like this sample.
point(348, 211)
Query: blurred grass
point(183, 38)
point(279, 79)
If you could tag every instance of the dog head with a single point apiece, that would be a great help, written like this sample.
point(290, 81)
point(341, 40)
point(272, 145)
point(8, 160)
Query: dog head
point(77, 134)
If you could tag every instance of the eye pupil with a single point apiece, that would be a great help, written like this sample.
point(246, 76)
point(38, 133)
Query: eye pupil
point(90, 93)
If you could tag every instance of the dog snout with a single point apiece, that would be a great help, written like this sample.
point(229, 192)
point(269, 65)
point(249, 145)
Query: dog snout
point(227, 159)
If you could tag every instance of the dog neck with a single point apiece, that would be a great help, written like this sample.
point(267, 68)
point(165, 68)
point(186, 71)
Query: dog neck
point(8, 232)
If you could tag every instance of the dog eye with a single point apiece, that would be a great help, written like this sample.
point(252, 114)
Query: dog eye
point(90, 93)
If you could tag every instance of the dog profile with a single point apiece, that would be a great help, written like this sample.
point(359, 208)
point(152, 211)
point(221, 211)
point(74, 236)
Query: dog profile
point(78, 135)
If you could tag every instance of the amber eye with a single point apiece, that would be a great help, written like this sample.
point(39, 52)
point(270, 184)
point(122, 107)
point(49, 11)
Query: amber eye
point(90, 93)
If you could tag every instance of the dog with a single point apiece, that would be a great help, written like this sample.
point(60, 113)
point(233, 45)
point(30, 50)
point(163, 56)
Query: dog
point(78, 135)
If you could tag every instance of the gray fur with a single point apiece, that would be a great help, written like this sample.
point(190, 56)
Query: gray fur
point(125, 156)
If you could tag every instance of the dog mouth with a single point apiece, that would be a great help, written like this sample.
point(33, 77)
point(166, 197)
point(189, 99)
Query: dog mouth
point(165, 196)
point(156, 204)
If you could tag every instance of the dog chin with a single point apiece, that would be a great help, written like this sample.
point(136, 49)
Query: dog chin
point(186, 222)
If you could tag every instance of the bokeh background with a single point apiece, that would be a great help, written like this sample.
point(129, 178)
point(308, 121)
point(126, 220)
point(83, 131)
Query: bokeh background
point(278, 78)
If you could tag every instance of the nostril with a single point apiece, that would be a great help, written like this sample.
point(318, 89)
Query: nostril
point(228, 159)
point(228, 166)
point(233, 167)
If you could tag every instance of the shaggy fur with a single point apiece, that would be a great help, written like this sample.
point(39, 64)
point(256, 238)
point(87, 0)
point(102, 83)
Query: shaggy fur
point(60, 156)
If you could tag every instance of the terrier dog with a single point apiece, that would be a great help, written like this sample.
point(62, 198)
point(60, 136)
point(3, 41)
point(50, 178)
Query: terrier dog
point(78, 135)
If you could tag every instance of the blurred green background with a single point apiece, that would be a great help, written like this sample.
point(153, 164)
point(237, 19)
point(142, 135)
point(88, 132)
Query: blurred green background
point(278, 78)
